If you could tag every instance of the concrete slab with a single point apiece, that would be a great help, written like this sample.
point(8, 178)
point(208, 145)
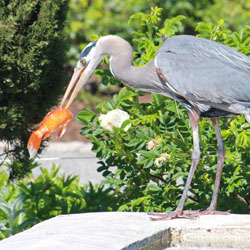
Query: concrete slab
point(116, 230)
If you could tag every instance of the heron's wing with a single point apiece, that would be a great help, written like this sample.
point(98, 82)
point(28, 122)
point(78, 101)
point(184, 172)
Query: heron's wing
point(205, 71)
point(191, 45)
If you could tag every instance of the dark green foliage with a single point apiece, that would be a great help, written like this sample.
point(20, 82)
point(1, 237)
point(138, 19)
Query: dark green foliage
point(131, 168)
point(32, 54)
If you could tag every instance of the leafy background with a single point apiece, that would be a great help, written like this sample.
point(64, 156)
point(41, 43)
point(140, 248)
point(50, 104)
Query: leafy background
point(133, 181)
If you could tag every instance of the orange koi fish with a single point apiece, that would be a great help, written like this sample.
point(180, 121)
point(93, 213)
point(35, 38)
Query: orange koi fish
point(54, 120)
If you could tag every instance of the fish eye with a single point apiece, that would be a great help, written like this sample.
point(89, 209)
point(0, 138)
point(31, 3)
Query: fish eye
point(83, 61)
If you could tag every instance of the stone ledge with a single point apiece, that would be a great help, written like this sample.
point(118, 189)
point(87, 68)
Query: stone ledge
point(116, 230)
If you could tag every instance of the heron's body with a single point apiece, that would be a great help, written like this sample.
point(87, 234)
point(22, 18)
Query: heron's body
point(210, 79)
point(197, 72)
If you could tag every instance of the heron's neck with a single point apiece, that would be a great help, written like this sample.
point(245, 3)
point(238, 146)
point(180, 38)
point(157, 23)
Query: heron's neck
point(121, 64)
point(136, 77)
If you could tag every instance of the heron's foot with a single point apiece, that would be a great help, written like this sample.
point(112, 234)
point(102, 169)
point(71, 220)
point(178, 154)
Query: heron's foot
point(210, 211)
point(173, 215)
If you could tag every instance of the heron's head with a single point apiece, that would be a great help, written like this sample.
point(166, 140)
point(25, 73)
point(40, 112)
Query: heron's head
point(89, 59)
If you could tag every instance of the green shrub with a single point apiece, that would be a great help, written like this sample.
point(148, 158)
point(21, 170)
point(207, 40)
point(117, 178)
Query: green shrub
point(32, 53)
point(34, 200)
point(146, 166)
point(235, 13)
point(12, 211)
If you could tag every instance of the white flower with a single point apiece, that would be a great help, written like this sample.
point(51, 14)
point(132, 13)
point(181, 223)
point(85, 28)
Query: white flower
point(138, 156)
point(161, 159)
point(152, 144)
point(114, 118)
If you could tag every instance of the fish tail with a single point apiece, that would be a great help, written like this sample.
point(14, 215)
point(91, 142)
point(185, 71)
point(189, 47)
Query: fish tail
point(34, 143)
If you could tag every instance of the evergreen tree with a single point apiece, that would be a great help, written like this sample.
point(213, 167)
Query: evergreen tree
point(32, 54)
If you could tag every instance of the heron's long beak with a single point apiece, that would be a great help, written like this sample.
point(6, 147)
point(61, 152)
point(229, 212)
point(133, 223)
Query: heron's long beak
point(78, 79)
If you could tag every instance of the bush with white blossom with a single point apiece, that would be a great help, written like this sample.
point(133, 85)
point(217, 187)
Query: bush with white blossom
point(114, 118)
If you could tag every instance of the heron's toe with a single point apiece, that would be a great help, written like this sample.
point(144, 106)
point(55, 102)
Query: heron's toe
point(173, 215)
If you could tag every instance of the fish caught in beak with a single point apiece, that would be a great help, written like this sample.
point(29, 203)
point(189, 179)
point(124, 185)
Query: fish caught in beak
point(55, 120)
point(59, 119)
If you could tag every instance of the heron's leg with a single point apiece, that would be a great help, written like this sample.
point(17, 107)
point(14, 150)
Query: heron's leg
point(220, 161)
point(247, 116)
point(194, 120)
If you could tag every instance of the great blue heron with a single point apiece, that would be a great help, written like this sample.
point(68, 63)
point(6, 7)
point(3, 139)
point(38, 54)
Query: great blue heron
point(210, 79)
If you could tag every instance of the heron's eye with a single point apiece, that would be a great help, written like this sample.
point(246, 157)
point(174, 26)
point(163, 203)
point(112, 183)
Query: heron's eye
point(83, 61)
